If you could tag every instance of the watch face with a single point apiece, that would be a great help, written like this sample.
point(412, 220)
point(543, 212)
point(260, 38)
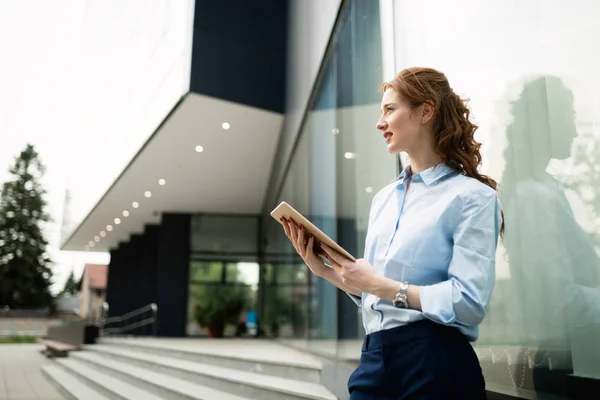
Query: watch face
point(399, 303)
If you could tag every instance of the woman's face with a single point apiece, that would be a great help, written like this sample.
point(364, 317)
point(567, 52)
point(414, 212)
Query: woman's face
point(398, 123)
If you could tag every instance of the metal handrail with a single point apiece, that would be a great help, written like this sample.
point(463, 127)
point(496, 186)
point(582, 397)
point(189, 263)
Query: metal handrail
point(129, 327)
point(133, 313)
point(117, 330)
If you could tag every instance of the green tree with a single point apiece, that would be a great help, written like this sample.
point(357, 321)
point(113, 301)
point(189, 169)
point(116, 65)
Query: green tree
point(25, 274)
point(71, 286)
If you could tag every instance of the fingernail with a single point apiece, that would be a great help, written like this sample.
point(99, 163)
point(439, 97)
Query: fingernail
point(310, 235)
point(300, 228)
point(281, 219)
point(320, 244)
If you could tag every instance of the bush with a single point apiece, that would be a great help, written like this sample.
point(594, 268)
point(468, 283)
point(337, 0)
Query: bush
point(17, 339)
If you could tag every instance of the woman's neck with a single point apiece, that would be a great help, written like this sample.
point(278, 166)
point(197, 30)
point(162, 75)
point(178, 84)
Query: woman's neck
point(419, 162)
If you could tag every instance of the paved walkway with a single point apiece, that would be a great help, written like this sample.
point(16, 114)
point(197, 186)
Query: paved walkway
point(21, 376)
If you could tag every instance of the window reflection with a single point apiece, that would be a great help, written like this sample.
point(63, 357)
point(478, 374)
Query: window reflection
point(552, 259)
point(538, 124)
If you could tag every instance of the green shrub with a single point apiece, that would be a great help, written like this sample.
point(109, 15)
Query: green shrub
point(17, 339)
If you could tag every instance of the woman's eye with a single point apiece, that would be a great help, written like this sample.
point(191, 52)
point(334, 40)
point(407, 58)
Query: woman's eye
point(388, 109)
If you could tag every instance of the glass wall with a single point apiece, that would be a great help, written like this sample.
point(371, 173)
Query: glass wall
point(224, 275)
point(531, 74)
point(339, 163)
point(529, 70)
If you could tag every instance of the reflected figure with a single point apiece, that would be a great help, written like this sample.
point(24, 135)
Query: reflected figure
point(554, 266)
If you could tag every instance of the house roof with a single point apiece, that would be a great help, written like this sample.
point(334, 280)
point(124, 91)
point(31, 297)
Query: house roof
point(97, 275)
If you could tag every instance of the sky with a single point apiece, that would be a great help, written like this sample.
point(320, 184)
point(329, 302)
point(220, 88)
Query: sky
point(86, 83)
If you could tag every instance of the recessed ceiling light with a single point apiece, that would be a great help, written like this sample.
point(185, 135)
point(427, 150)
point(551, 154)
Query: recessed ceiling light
point(369, 189)
point(91, 243)
point(349, 155)
point(335, 131)
point(162, 182)
point(117, 221)
point(125, 213)
point(199, 149)
point(148, 193)
point(135, 204)
point(109, 228)
point(96, 239)
point(102, 233)
point(225, 125)
point(86, 248)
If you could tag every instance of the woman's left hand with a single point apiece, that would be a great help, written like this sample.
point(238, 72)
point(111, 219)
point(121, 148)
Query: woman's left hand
point(360, 274)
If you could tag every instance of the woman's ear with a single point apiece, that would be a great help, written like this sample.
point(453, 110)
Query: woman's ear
point(426, 113)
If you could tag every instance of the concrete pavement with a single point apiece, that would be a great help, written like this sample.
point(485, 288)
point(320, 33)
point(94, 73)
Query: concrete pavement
point(21, 376)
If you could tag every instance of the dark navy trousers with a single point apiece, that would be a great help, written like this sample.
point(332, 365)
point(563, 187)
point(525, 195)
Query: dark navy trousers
point(418, 361)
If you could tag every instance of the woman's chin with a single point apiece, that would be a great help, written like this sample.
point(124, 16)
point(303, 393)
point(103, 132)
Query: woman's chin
point(393, 149)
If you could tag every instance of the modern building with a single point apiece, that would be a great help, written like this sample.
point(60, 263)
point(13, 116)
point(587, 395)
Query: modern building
point(281, 104)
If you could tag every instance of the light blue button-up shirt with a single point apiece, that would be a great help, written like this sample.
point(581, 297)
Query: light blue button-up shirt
point(437, 229)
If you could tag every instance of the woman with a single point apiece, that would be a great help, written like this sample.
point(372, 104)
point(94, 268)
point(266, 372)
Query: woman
point(428, 270)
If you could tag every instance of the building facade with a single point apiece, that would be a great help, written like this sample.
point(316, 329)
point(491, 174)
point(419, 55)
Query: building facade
point(282, 105)
point(92, 289)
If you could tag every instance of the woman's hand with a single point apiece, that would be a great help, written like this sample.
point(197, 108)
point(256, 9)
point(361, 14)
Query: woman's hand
point(360, 274)
point(304, 247)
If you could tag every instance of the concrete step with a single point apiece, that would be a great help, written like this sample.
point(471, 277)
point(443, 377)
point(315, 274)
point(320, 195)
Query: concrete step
point(104, 384)
point(258, 356)
point(247, 384)
point(69, 386)
point(166, 386)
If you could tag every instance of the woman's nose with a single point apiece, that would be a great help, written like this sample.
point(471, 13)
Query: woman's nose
point(380, 125)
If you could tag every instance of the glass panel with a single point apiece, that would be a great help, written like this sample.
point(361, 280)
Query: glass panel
point(339, 164)
point(205, 271)
point(534, 90)
point(291, 274)
point(362, 162)
point(224, 234)
point(286, 311)
point(243, 272)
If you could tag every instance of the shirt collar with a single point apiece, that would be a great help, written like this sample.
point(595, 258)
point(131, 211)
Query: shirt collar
point(429, 176)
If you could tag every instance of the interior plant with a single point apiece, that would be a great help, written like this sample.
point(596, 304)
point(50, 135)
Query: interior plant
point(218, 306)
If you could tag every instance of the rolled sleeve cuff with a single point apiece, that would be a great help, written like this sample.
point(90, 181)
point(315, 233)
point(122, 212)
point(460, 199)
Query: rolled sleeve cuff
point(436, 302)
point(355, 299)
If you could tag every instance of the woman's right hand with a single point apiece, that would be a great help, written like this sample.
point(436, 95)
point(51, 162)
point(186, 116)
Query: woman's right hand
point(304, 247)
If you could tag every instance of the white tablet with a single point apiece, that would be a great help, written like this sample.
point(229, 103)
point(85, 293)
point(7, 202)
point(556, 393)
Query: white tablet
point(286, 211)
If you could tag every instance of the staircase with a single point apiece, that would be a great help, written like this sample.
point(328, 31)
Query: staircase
point(188, 369)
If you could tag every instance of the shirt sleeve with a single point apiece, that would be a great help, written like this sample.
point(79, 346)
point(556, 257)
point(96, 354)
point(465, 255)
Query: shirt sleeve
point(464, 297)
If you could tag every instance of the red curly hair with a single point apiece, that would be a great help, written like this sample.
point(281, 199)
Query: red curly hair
point(453, 132)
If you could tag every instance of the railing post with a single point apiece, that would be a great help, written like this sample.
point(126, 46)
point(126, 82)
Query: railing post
point(154, 308)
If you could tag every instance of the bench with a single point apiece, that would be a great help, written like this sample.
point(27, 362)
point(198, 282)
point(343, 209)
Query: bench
point(57, 349)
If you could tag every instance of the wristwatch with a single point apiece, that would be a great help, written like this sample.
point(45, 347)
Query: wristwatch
point(401, 299)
